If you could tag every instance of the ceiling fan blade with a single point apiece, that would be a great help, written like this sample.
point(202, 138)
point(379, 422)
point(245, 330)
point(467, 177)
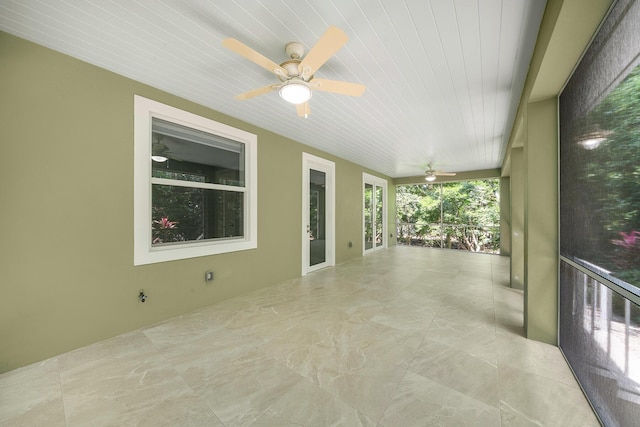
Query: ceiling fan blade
point(444, 173)
point(256, 92)
point(330, 42)
point(335, 86)
point(244, 50)
point(303, 109)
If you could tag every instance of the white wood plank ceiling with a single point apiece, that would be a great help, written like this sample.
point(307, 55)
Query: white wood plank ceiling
point(443, 77)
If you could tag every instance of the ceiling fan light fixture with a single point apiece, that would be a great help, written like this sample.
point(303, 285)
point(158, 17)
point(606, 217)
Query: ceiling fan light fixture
point(295, 91)
point(593, 139)
point(591, 143)
point(430, 178)
point(159, 159)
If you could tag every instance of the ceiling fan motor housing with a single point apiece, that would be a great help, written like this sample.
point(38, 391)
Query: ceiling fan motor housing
point(294, 50)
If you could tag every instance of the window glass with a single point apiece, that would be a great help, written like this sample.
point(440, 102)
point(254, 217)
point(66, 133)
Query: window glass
point(183, 214)
point(192, 155)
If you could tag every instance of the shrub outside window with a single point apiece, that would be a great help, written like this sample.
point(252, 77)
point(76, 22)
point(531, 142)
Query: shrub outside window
point(195, 185)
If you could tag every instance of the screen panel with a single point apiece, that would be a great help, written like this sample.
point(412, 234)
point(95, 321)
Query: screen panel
point(600, 153)
point(599, 316)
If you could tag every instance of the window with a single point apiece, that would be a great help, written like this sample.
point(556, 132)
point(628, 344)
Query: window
point(195, 185)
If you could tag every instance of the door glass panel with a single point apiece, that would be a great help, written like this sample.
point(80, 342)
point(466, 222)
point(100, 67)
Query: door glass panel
point(379, 229)
point(368, 216)
point(317, 217)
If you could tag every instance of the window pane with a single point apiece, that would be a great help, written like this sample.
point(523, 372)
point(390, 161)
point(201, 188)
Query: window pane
point(183, 214)
point(188, 154)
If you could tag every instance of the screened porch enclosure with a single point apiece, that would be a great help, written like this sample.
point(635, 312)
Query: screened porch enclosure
point(454, 215)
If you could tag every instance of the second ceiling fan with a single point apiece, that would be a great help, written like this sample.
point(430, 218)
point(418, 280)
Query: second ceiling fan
point(431, 174)
point(297, 82)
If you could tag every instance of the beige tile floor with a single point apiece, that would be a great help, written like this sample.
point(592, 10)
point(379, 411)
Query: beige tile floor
point(402, 337)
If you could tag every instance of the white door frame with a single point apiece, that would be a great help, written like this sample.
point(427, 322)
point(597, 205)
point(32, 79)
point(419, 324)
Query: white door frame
point(376, 183)
point(309, 162)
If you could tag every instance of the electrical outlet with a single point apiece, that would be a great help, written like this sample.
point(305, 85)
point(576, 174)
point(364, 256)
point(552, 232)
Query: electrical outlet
point(208, 276)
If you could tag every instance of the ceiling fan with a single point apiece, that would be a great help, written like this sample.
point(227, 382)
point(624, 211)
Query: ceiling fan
point(162, 149)
point(431, 174)
point(159, 150)
point(296, 73)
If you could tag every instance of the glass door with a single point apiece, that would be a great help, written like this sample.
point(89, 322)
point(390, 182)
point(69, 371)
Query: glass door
point(368, 217)
point(317, 213)
point(317, 217)
point(375, 216)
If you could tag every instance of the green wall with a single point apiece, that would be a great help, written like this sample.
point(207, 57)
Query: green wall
point(66, 203)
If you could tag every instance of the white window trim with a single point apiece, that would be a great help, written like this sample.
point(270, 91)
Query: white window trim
point(144, 253)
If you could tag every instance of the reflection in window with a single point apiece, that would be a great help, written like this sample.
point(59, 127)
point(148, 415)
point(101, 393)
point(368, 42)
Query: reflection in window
point(183, 214)
point(184, 207)
point(187, 154)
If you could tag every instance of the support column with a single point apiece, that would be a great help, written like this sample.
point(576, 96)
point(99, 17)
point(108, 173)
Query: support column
point(541, 222)
point(505, 216)
point(517, 218)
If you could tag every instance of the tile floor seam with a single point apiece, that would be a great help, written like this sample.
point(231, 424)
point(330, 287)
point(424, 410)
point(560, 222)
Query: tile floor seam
point(310, 383)
point(406, 369)
point(422, 340)
point(497, 373)
point(64, 406)
point(181, 376)
point(381, 417)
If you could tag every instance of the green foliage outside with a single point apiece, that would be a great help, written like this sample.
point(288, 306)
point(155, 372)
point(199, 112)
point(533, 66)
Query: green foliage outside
point(468, 219)
point(177, 214)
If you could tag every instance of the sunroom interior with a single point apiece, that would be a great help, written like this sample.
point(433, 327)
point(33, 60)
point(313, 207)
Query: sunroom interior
point(70, 282)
